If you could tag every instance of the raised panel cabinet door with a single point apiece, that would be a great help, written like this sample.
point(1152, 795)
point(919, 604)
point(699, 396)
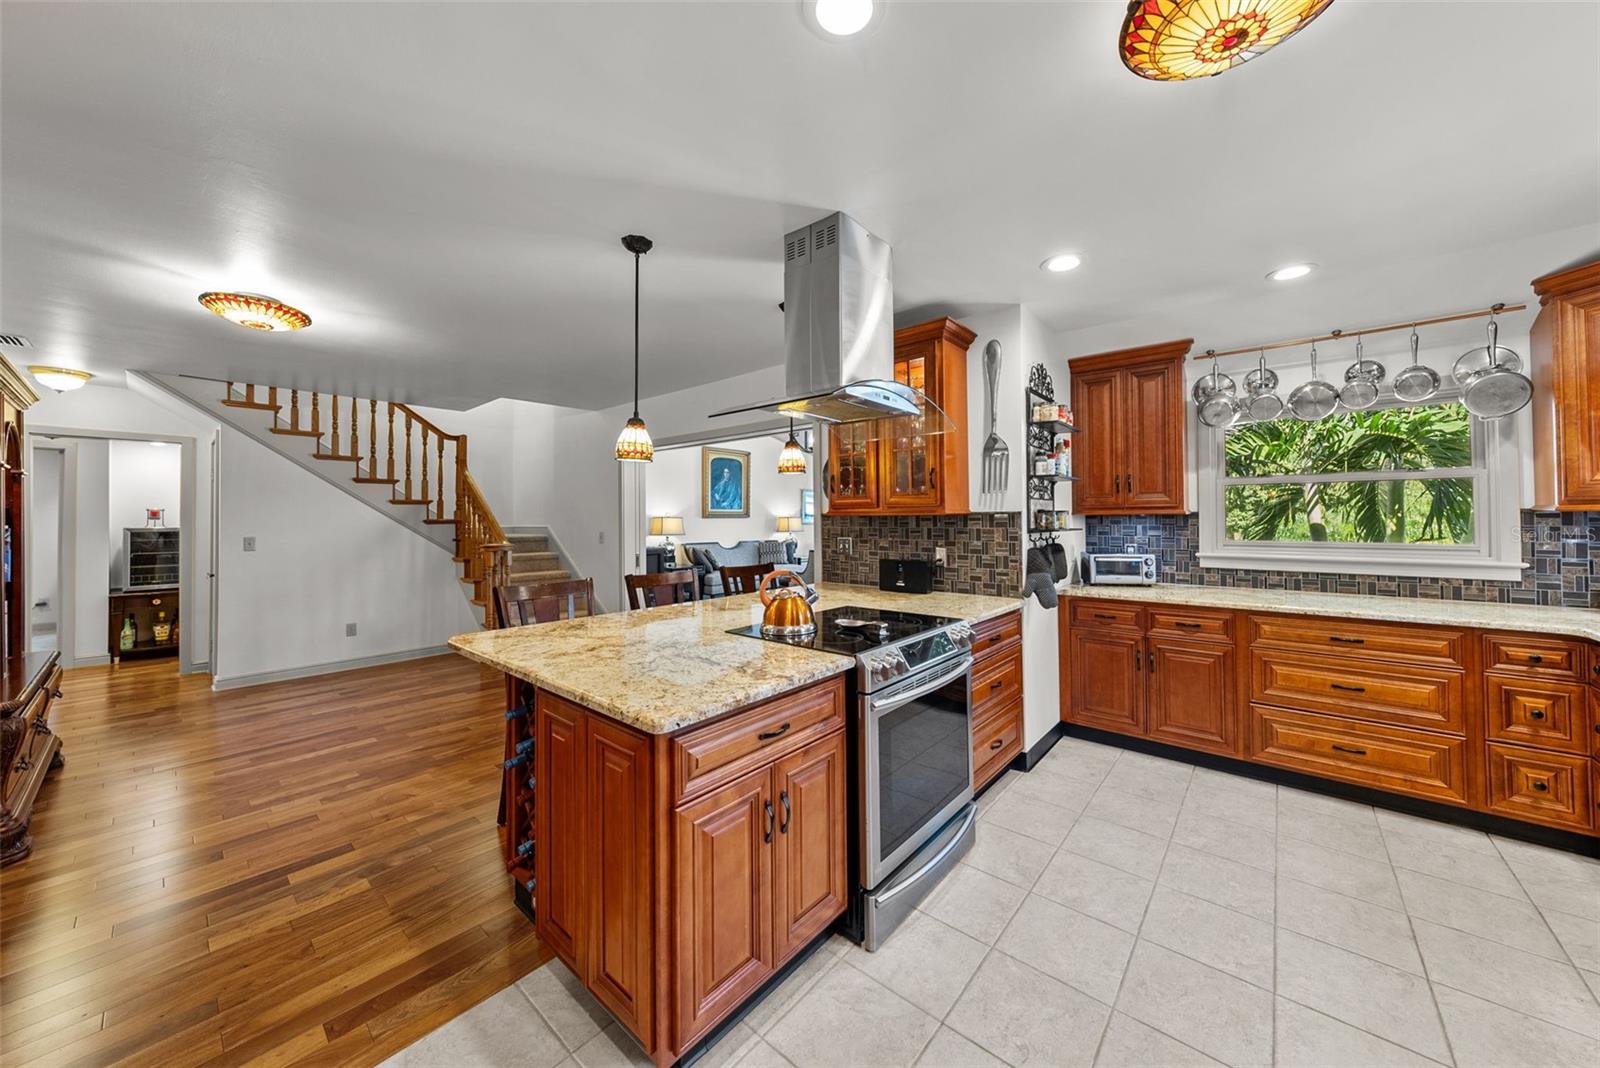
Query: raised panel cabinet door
point(1097, 446)
point(1153, 414)
point(619, 802)
point(1192, 694)
point(1108, 681)
point(809, 873)
point(852, 482)
point(722, 876)
point(559, 894)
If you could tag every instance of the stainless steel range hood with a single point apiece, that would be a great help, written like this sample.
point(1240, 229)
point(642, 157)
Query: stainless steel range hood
point(838, 330)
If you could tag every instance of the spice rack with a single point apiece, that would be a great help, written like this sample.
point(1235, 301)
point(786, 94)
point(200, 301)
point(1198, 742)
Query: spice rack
point(1042, 437)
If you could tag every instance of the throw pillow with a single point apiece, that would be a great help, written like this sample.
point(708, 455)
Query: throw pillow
point(771, 552)
point(711, 560)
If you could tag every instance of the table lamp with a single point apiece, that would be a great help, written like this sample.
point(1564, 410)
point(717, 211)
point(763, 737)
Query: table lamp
point(666, 526)
point(787, 525)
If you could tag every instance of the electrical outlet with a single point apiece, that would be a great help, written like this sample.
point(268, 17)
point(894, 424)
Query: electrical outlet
point(249, 545)
point(1130, 549)
point(602, 537)
point(845, 545)
point(938, 556)
point(349, 630)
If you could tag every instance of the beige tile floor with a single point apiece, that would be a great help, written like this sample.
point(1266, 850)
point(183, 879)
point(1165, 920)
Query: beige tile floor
point(1118, 909)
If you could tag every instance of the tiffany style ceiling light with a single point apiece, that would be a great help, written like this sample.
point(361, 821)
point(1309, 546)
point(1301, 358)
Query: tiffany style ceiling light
point(1174, 40)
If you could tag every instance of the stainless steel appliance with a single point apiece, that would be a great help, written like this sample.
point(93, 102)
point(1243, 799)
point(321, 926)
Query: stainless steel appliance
point(1119, 569)
point(911, 755)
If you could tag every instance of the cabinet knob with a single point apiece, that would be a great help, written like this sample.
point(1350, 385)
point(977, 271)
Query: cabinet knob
point(1535, 658)
point(997, 743)
point(1536, 714)
point(1541, 786)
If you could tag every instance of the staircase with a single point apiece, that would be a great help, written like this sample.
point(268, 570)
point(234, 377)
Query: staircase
point(399, 460)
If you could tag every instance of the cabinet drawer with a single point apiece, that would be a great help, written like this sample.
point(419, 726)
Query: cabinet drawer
point(996, 683)
point(1526, 654)
point(1408, 696)
point(1191, 623)
point(1383, 641)
point(994, 743)
point(706, 757)
point(990, 636)
point(1541, 712)
point(1542, 787)
point(1099, 615)
point(1389, 758)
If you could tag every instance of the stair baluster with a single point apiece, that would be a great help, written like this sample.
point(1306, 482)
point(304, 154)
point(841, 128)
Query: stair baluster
point(390, 475)
point(438, 480)
point(294, 409)
point(407, 495)
point(355, 427)
point(372, 441)
point(272, 397)
point(333, 406)
point(316, 415)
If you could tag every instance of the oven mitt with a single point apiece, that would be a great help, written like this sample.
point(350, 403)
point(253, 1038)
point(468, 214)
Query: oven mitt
point(1041, 581)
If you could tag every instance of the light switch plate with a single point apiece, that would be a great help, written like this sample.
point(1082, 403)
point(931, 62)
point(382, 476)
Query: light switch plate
point(249, 545)
point(349, 630)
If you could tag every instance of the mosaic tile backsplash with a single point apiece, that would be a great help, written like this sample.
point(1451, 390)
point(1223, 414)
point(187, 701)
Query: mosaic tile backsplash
point(1562, 549)
point(984, 551)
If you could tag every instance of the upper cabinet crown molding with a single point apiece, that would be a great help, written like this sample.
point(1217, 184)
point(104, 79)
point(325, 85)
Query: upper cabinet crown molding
point(1564, 361)
point(1129, 449)
point(14, 387)
point(945, 329)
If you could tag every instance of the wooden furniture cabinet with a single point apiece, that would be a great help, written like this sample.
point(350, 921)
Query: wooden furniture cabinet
point(996, 696)
point(146, 608)
point(1504, 723)
point(1130, 411)
point(888, 467)
point(677, 873)
point(1564, 360)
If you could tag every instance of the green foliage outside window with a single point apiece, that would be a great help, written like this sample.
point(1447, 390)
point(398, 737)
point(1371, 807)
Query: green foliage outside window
point(1409, 441)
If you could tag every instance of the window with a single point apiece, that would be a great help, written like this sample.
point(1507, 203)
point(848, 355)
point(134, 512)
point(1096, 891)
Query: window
point(1399, 490)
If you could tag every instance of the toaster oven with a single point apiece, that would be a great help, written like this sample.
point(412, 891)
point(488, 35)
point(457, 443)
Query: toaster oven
point(1119, 569)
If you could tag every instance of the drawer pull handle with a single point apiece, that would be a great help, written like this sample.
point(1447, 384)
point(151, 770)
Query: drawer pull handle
point(1535, 658)
point(1536, 714)
point(1349, 749)
point(767, 736)
point(787, 812)
point(996, 684)
point(771, 818)
point(1104, 615)
point(997, 743)
point(1138, 661)
point(1348, 689)
point(1189, 626)
point(1342, 640)
point(1541, 786)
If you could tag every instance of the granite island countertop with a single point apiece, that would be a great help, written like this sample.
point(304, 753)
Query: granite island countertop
point(1538, 619)
point(667, 668)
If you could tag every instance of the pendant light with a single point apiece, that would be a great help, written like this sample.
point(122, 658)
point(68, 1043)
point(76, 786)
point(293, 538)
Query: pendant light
point(792, 460)
point(634, 444)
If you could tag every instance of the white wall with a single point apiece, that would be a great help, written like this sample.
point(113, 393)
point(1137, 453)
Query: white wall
point(44, 536)
point(143, 476)
point(672, 487)
point(322, 559)
point(90, 462)
point(1005, 326)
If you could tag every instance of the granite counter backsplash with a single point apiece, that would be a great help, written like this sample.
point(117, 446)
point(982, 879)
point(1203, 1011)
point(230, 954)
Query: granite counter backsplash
point(984, 549)
point(1561, 549)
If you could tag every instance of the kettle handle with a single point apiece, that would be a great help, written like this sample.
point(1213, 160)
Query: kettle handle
point(781, 576)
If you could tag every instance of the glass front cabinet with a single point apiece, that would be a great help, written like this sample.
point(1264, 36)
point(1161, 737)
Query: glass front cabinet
point(905, 466)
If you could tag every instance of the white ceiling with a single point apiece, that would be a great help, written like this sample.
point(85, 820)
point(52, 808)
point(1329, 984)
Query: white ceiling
point(443, 187)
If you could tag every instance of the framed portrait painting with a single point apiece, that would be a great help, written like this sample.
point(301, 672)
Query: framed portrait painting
point(724, 483)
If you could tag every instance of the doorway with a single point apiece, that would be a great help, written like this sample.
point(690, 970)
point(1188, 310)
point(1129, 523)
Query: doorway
point(47, 477)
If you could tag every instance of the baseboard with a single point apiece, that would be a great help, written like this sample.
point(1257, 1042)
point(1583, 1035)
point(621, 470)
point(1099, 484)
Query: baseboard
point(86, 661)
point(261, 678)
point(1029, 758)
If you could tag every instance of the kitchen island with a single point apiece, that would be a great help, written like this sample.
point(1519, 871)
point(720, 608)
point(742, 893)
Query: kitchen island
point(690, 829)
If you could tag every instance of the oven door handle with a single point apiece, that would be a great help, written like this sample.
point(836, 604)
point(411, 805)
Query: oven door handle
point(933, 861)
point(880, 705)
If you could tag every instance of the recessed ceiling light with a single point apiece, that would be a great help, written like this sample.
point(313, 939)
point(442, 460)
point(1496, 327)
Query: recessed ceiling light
point(1066, 261)
point(255, 312)
point(1291, 272)
point(60, 379)
point(843, 17)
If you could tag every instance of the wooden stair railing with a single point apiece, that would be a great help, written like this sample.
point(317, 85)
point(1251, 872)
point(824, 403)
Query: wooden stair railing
point(405, 451)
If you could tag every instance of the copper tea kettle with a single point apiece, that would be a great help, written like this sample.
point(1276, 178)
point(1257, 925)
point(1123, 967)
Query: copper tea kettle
point(788, 611)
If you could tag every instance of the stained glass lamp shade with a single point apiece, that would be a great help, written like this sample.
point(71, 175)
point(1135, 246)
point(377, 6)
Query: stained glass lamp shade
point(792, 460)
point(1174, 40)
point(255, 312)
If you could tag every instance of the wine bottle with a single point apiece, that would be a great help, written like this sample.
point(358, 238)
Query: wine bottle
point(130, 633)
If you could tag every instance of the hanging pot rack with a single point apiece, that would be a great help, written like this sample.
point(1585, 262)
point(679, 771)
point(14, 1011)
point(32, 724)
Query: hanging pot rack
point(1338, 335)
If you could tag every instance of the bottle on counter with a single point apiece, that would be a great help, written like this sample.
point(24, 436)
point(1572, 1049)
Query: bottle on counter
point(130, 633)
point(162, 630)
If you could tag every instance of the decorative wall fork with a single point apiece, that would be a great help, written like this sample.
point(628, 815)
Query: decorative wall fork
point(996, 454)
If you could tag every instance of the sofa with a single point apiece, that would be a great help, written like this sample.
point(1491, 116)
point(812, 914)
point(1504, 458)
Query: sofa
point(740, 554)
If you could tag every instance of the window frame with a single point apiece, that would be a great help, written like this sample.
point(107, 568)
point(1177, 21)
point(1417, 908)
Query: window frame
point(1496, 552)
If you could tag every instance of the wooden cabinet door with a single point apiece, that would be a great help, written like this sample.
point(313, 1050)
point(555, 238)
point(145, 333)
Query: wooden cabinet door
point(1108, 680)
point(723, 908)
point(809, 863)
point(852, 468)
point(910, 457)
point(1152, 428)
point(1192, 694)
point(560, 893)
point(621, 946)
point(1579, 403)
point(1097, 446)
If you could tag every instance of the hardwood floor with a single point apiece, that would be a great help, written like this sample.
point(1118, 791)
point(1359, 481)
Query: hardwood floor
point(300, 873)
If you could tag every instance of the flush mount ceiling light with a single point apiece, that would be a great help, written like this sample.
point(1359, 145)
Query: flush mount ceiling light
point(792, 460)
point(1066, 261)
point(634, 444)
point(159, 444)
point(60, 379)
point(255, 312)
point(843, 17)
point(1175, 40)
point(1290, 272)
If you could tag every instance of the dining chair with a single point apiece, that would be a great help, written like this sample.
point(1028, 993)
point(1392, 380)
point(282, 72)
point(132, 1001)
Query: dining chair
point(666, 587)
point(544, 602)
point(745, 579)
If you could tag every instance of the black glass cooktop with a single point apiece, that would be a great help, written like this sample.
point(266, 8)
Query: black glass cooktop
point(851, 629)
